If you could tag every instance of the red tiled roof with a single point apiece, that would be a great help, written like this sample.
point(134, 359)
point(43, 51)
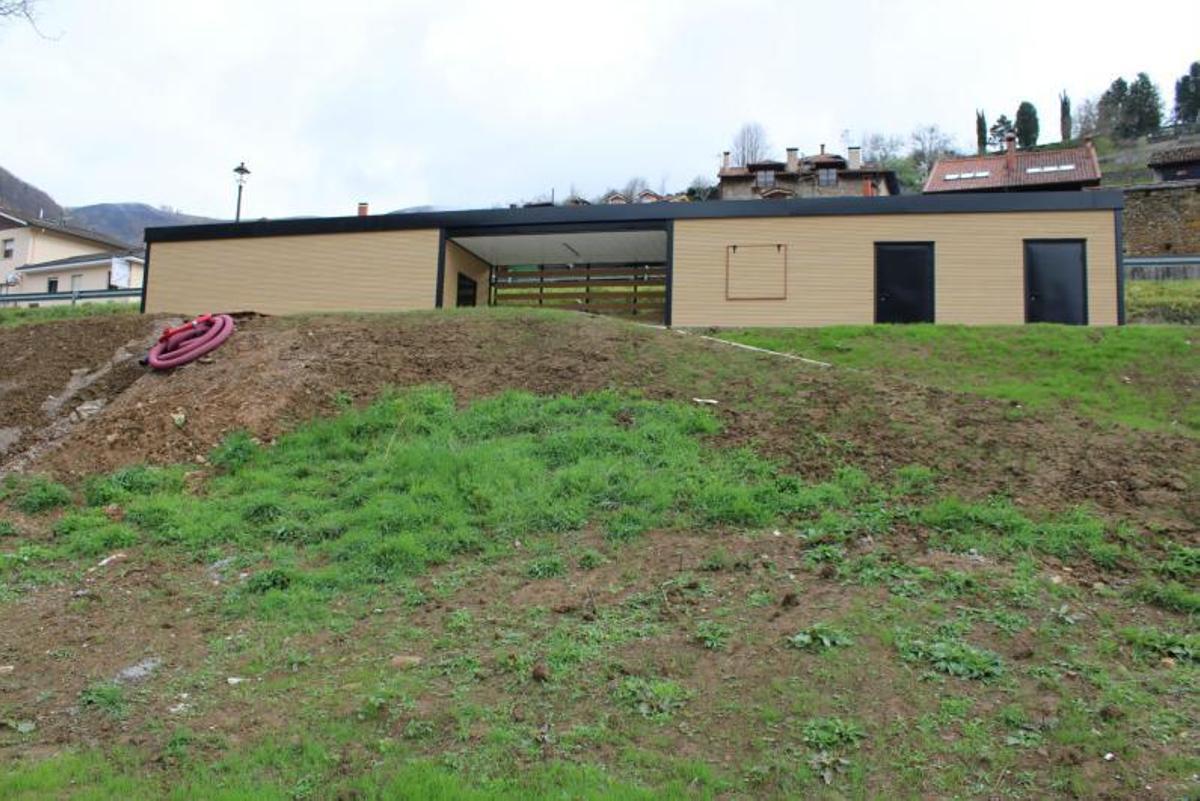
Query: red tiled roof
point(1031, 168)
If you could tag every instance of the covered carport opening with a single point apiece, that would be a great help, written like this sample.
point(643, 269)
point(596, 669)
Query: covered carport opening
point(614, 270)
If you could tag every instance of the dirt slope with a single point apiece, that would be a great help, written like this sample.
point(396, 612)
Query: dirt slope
point(276, 372)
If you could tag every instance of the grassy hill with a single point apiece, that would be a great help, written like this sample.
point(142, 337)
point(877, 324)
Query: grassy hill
point(507, 554)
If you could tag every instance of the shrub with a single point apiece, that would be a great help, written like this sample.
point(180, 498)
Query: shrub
point(713, 635)
point(266, 580)
point(7, 529)
point(820, 637)
point(951, 656)
point(106, 696)
point(545, 567)
point(590, 559)
point(40, 494)
point(827, 734)
point(1148, 641)
point(1170, 595)
point(656, 699)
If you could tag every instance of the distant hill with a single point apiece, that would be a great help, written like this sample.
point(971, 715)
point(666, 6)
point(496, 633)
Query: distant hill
point(128, 221)
point(27, 199)
point(124, 221)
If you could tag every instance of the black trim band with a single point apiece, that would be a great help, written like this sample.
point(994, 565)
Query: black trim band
point(441, 270)
point(145, 280)
point(589, 216)
point(1119, 223)
point(670, 289)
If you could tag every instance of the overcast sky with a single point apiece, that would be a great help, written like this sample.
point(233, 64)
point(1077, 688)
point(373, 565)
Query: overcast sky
point(473, 104)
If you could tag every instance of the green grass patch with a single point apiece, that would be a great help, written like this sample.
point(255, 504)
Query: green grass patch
point(1127, 375)
point(34, 494)
point(410, 481)
point(1163, 301)
point(12, 317)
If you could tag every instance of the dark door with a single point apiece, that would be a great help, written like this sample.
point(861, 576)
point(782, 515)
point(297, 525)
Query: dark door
point(1055, 282)
point(904, 282)
point(467, 287)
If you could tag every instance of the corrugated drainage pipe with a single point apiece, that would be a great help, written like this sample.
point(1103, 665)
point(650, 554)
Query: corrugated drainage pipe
point(190, 341)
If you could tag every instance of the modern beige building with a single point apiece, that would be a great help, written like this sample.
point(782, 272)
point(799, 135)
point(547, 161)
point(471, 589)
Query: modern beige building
point(54, 263)
point(971, 259)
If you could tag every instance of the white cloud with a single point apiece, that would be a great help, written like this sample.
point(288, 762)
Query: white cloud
point(477, 103)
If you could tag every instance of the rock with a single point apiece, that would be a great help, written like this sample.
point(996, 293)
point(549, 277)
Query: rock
point(540, 672)
point(138, 672)
point(179, 418)
point(233, 681)
point(114, 512)
point(108, 560)
point(89, 408)
point(406, 661)
point(789, 600)
point(7, 669)
point(111, 438)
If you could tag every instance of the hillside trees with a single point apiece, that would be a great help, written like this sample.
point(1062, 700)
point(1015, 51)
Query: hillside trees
point(1187, 96)
point(1027, 125)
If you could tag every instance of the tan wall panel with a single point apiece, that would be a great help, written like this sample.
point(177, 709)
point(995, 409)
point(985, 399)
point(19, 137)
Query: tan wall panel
point(374, 271)
point(461, 260)
point(50, 246)
point(978, 266)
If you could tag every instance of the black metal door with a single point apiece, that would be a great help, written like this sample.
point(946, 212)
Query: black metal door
point(467, 289)
point(1055, 281)
point(904, 282)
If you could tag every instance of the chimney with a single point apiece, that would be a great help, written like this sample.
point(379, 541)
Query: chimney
point(725, 160)
point(854, 160)
point(363, 209)
point(793, 159)
point(1010, 152)
point(822, 149)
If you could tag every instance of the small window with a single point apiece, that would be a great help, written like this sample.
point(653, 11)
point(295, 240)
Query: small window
point(9, 246)
point(764, 179)
point(827, 177)
point(52, 285)
point(76, 283)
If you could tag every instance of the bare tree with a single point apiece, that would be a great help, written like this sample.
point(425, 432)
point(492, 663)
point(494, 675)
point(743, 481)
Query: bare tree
point(17, 9)
point(701, 188)
point(881, 149)
point(929, 143)
point(750, 144)
point(1087, 118)
point(633, 187)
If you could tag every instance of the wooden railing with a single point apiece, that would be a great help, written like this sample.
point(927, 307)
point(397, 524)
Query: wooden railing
point(623, 290)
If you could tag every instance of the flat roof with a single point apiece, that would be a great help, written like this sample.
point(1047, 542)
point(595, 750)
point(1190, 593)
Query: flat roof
point(642, 215)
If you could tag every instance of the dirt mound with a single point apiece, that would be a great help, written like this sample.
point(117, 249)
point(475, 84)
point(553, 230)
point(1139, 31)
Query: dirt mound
point(277, 372)
point(54, 374)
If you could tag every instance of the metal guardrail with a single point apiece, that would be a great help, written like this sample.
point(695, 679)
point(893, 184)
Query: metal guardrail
point(73, 297)
point(1161, 268)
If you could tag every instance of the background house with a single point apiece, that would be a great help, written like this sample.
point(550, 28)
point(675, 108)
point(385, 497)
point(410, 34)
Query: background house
point(1013, 170)
point(38, 256)
point(1177, 163)
point(825, 174)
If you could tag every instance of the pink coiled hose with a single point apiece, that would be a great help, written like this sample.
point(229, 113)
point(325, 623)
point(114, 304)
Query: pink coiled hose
point(190, 341)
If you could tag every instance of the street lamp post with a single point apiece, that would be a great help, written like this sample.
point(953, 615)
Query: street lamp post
point(240, 174)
